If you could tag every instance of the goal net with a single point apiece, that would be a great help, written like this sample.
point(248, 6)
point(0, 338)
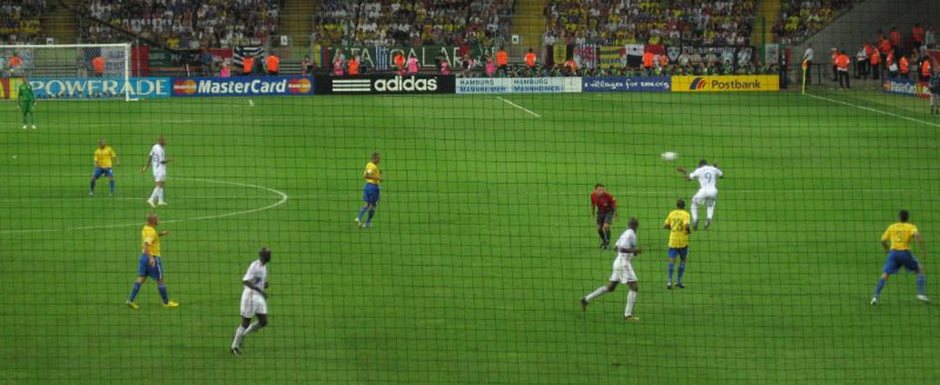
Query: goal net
point(72, 71)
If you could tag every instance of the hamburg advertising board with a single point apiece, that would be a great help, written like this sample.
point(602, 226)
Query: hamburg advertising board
point(99, 88)
point(726, 83)
point(518, 85)
point(386, 84)
point(243, 86)
point(627, 84)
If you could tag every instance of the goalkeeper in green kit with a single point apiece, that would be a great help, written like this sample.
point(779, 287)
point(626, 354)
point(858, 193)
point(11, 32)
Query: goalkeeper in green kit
point(26, 99)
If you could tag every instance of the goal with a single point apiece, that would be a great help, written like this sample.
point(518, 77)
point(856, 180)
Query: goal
point(72, 71)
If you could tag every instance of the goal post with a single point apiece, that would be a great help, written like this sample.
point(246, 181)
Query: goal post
point(72, 71)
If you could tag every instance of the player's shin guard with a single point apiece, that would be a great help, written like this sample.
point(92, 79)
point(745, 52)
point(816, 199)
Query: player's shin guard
point(681, 271)
point(134, 291)
point(879, 287)
point(239, 335)
point(631, 303)
point(672, 267)
point(596, 293)
point(163, 295)
point(921, 284)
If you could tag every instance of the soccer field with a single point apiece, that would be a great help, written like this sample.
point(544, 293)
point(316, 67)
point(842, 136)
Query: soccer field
point(482, 244)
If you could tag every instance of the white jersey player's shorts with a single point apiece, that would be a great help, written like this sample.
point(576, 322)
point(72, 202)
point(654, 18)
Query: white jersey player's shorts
point(706, 196)
point(159, 174)
point(253, 303)
point(623, 271)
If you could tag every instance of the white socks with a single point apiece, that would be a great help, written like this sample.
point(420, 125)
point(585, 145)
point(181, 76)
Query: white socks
point(711, 211)
point(239, 335)
point(251, 328)
point(631, 301)
point(694, 212)
point(596, 293)
point(156, 195)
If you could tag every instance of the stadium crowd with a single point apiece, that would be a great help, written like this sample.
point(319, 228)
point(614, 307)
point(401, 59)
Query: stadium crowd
point(800, 19)
point(19, 20)
point(183, 24)
point(411, 23)
point(619, 22)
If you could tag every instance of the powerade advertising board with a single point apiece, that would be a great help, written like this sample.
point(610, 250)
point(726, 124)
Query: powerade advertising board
point(627, 84)
point(243, 86)
point(386, 84)
point(97, 88)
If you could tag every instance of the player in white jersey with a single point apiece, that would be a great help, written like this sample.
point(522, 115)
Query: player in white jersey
point(157, 160)
point(254, 299)
point(707, 177)
point(622, 272)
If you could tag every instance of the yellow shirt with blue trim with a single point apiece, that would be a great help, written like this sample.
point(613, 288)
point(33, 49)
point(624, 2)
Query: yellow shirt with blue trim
point(678, 221)
point(372, 171)
point(104, 156)
point(900, 235)
point(151, 240)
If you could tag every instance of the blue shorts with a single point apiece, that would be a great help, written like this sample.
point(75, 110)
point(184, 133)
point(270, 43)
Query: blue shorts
point(102, 171)
point(370, 194)
point(145, 270)
point(680, 252)
point(898, 258)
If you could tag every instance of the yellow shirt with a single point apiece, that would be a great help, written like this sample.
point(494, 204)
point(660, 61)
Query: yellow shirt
point(150, 236)
point(372, 171)
point(678, 221)
point(104, 156)
point(900, 235)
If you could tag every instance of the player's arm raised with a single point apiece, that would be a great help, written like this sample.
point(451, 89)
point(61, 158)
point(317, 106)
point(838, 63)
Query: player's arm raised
point(920, 243)
point(683, 172)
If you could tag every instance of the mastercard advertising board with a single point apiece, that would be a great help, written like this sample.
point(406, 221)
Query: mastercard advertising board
point(243, 86)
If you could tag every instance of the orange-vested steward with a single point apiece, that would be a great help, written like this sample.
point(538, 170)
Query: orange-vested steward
point(273, 63)
point(353, 66)
point(925, 68)
point(530, 59)
point(647, 60)
point(502, 58)
point(842, 62)
point(248, 63)
point(904, 66)
point(97, 65)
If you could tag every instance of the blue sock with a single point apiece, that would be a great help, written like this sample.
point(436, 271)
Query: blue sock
point(672, 266)
point(881, 285)
point(362, 212)
point(112, 186)
point(134, 292)
point(162, 288)
point(921, 282)
point(92, 187)
point(681, 271)
point(371, 214)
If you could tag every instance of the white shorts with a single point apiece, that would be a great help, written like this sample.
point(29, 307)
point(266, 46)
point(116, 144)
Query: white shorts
point(623, 271)
point(253, 303)
point(706, 196)
point(159, 174)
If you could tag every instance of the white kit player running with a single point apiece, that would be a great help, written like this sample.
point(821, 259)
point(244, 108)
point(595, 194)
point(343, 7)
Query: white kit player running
point(707, 177)
point(254, 299)
point(622, 272)
point(157, 160)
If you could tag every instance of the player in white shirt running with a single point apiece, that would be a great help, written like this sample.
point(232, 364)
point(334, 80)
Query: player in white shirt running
point(254, 299)
point(707, 177)
point(622, 272)
point(157, 161)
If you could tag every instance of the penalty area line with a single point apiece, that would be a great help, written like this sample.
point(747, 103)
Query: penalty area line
point(519, 107)
point(875, 110)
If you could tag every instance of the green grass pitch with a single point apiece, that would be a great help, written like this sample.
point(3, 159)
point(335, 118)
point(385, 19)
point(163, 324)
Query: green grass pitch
point(482, 245)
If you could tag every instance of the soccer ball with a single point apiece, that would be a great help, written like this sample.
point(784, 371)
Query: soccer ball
point(669, 156)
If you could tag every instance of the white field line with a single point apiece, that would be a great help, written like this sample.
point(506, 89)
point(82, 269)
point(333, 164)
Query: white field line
point(875, 110)
point(283, 199)
point(519, 107)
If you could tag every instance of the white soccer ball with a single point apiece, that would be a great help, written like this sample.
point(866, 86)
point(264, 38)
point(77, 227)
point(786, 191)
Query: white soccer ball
point(669, 156)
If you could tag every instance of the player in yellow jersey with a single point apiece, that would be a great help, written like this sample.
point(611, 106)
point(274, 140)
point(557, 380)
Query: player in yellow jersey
point(149, 264)
point(896, 241)
point(677, 222)
point(370, 192)
point(104, 158)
